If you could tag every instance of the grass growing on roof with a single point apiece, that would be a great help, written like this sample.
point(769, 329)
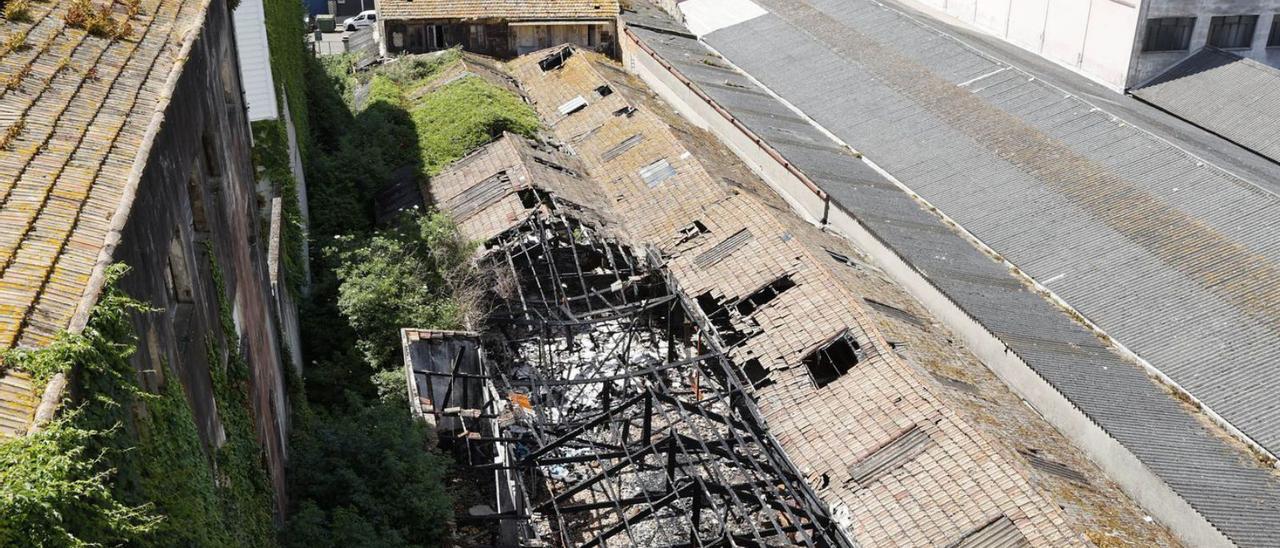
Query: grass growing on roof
point(464, 115)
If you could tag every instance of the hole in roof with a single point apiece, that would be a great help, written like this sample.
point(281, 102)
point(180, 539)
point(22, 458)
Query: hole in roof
point(763, 296)
point(833, 359)
point(720, 318)
point(757, 374)
point(555, 60)
point(604, 91)
point(691, 231)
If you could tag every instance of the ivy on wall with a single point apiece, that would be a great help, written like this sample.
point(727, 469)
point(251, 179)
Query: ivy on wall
point(123, 465)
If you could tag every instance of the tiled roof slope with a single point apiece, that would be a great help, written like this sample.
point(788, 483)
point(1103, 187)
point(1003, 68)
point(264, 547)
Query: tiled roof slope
point(1220, 91)
point(483, 191)
point(1172, 256)
point(74, 116)
point(512, 10)
point(1242, 499)
point(17, 403)
point(926, 475)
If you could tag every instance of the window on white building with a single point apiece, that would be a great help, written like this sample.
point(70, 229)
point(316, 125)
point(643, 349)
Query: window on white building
point(1169, 34)
point(1274, 40)
point(1232, 31)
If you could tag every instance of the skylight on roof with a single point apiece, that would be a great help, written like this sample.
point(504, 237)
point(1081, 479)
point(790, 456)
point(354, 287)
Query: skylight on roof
point(573, 105)
point(657, 172)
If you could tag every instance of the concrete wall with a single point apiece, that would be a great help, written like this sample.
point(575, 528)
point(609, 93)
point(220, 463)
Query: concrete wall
point(1115, 460)
point(198, 188)
point(1092, 37)
point(1148, 65)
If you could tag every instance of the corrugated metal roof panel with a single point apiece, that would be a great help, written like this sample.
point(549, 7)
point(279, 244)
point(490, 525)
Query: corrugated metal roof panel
point(1000, 533)
point(723, 249)
point(893, 455)
point(657, 172)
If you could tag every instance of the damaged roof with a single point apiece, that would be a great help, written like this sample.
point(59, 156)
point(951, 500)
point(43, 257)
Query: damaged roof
point(500, 184)
point(1174, 439)
point(77, 115)
point(511, 10)
point(1220, 91)
point(879, 436)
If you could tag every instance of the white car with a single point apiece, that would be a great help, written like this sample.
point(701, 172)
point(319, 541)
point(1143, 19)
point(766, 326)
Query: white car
point(364, 19)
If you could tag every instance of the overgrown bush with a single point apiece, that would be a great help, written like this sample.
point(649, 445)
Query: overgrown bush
point(371, 479)
point(362, 471)
point(413, 275)
point(54, 491)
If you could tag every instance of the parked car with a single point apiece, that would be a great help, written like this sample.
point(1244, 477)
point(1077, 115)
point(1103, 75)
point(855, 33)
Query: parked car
point(364, 19)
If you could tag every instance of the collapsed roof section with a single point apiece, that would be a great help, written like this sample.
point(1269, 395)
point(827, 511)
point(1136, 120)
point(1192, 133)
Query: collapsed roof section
point(502, 183)
point(606, 412)
point(834, 392)
point(904, 442)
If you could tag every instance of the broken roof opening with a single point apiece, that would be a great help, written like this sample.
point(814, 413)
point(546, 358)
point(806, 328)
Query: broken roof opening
point(604, 91)
point(833, 359)
point(555, 60)
point(766, 294)
point(691, 231)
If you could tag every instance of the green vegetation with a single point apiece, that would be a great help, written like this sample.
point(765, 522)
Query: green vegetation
point(362, 470)
point(289, 58)
point(271, 153)
point(411, 276)
point(124, 465)
point(485, 111)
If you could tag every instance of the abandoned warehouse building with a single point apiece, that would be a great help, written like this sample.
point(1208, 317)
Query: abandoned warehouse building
point(674, 358)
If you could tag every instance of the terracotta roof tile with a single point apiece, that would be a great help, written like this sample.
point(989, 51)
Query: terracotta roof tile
point(73, 113)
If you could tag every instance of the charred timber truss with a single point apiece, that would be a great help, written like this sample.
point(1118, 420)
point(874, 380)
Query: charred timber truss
point(612, 416)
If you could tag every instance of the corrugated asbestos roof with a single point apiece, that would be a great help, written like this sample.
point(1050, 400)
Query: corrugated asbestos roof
point(511, 10)
point(74, 113)
point(1174, 257)
point(933, 496)
point(994, 199)
point(1222, 92)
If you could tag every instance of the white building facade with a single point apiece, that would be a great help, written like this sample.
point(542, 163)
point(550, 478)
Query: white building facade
point(1123, 43)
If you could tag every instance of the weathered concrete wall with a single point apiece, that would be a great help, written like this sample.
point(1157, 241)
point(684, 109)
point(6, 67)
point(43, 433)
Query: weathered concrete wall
point(1148, 65)
point(198, 190)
